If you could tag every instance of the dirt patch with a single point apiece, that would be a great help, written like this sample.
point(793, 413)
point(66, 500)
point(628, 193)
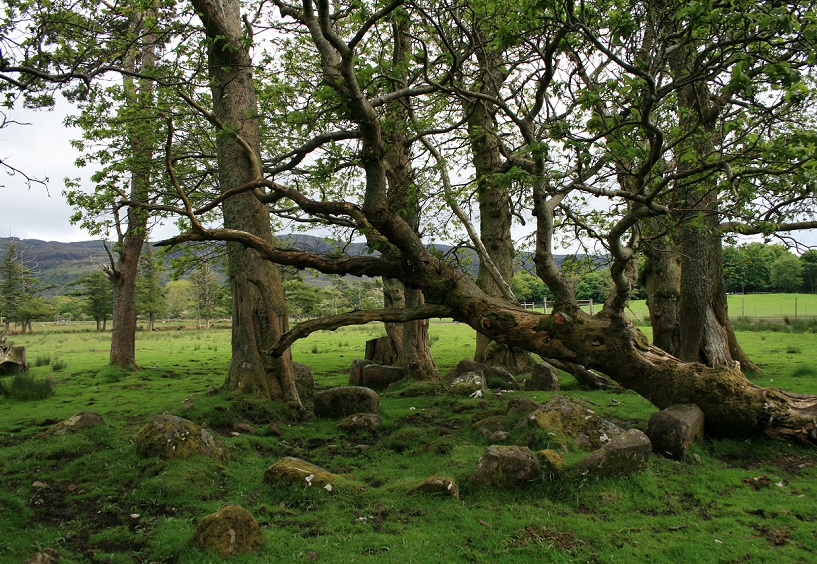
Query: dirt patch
point(775, 536)
point(536, 535)
point(757, 483)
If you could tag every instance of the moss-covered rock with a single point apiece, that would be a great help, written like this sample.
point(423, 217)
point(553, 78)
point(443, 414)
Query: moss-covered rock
point(168, 436)
point(343, 401)
point(567, 419)
point(438, 485)
point(84, 420)
point(624, 454)
point(506, 467)
point(360, 422)
point(230, 530)
point(552, 461)
point(294, 471)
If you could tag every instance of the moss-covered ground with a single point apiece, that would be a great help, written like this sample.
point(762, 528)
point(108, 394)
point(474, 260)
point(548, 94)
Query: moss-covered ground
point(90, 497)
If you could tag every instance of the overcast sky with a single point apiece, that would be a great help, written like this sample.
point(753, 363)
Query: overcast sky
point(42, 151)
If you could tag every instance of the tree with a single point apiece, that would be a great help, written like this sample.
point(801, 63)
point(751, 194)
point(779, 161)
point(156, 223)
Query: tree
point(605, 341)
point(808, 262)
point(206, 287)
point(180, 298)
point(11, 284)
point(150, 298)
point(787, 273)
point(259, 308)
point(95, 288)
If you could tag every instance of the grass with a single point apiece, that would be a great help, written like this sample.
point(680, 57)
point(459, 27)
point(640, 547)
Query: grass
point(735, 501)
point(771, 309)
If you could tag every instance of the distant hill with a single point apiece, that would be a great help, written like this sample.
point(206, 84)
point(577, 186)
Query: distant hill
point(60, 264)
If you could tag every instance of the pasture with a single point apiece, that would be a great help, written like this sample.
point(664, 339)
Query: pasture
point(730, 500)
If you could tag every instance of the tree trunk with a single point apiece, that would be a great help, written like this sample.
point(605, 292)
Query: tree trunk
point(259, 309)
point(394, 297)
point(403, 196)
point(123, 281)
point(495, 217)
point(139, 100)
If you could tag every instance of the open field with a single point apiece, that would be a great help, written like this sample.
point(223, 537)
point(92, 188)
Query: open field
point(704, 509)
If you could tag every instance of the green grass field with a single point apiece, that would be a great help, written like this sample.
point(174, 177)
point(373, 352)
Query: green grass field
point(704, 509)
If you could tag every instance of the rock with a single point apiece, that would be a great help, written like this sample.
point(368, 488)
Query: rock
point(522, 406)
point(243, 427)
point(436, 485)
point(506, 467)
point(568, 419)
point(356, 371)
point(84, 420)
point(360, 422)
point(381, 351)
point(168, 436)
point(230, 530)
point(552, 461)
point(12, 359)
point(45, 556)
point(466, 384)
point(626, 453)
point(544, 378)
point(493, 376)
point(673, 430)
point(304, 380)
point(346, 400)
point(211, 391)
point(380, 377)
point(297, 472)
point(499, 436)
point(516, 361)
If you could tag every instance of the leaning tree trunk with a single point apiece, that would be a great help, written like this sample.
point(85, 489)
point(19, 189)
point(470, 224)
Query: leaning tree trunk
point(259, 310)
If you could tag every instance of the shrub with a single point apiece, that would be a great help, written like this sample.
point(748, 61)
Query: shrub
point(24, 386)
point(58, 364)
point(42, 360)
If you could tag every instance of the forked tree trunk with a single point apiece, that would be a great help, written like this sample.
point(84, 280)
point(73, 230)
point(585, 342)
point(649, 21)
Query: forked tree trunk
point(141, 138)
point(259, 309)
point(495, 217)
point(414, 352)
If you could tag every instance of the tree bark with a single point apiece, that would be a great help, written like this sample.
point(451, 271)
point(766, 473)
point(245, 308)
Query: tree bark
point(259, 309)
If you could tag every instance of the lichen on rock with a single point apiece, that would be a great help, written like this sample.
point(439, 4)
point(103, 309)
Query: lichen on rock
point(168, 436)
point(230, 530)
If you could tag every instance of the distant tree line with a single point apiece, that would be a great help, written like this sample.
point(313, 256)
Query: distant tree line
point(758, 267)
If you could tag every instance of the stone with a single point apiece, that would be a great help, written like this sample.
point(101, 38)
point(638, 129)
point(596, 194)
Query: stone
point(436, 485)
point(12, 359)
point(211, 391)
point(569, 420)
point(346, 400)
point(466, 384)
point(380, 377)
point(304, 380)
point(506, 467)
point(295, 471)
point(626, 453)
point(360, 422)
point(230, 530)
point(522, 406)
point(552, 461)
point(84, 420)
point(45, 556)
point(499, 436)
point(356, 371)
point(381, 351)
point(675, 429)
point(544, 378)
point(168, 436)
point(516, 361)
point(495, 377)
